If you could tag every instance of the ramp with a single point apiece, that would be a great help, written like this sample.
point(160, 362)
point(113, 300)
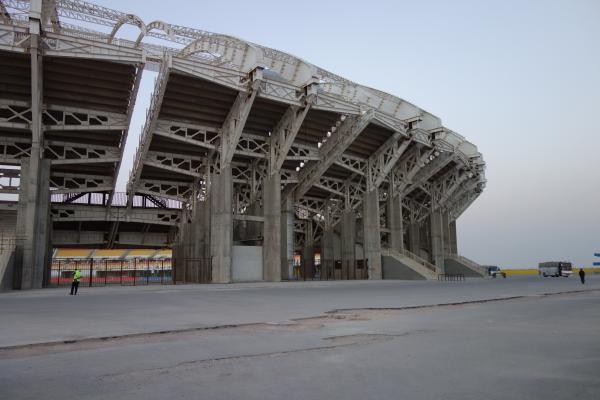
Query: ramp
point(406, 265)
point(455, 264)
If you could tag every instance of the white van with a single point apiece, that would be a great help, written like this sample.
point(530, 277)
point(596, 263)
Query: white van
point(555, 268)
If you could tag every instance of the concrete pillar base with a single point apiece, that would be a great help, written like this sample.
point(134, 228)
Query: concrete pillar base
point(221, 225)
point(395, 223)
point(327, 256)
point(372, 236)
point(287, 238)
point(437, 240)
point(272, 229)
point(32, 251)
point(349, 245)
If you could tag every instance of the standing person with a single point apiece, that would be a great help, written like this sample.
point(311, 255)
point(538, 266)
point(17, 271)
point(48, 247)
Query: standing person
point(582, 275)
point(76, 278)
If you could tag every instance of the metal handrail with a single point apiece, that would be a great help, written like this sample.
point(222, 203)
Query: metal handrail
point(469, 263)
point(119, 199)
point(415, 258)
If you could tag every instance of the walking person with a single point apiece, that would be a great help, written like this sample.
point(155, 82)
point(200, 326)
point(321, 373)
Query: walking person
point(582, 275)
point(75, 283)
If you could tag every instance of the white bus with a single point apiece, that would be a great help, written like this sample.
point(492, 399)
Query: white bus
point(555, 268)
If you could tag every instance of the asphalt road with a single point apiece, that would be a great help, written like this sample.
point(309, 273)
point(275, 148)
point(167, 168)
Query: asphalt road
point(530, 347)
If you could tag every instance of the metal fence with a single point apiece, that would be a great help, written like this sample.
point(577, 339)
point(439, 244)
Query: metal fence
point(105, 271)
point(194, 270)
point(330, 270)
point(451, 277)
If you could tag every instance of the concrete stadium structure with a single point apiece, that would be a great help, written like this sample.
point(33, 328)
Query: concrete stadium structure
point(248, 155)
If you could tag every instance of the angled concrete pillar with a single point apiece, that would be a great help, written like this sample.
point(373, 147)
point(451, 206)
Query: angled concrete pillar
point(372, 237)
point(395, 223)
point(272, 229)
point(437, 239)
point(287, 237)
point(221, 225)
point(349, 244)
point(453, 238)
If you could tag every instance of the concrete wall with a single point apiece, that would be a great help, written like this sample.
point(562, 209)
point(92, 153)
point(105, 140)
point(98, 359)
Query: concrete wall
point(247, 264)
point(454, 267)
point(394, 269)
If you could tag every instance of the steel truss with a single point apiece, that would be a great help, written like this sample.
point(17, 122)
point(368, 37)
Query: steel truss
point(84, 212)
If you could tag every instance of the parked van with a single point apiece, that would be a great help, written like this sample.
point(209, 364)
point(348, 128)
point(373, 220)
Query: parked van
point(555, 268)
point(494, 271)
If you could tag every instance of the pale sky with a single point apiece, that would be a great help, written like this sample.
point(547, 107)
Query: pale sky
point(519, 79)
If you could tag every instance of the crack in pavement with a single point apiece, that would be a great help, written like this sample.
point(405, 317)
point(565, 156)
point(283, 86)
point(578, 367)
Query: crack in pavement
point(315, 322)
point(346, 341)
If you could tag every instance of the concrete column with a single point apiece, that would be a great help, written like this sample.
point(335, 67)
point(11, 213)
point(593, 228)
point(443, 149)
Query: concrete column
point(446, 232)
point(287, 238)
point(33, 225)
point(272, 228)
point(177, 260)
point(349, 244)
point(327, 255)
point(308, 252)
point(414, 238)
point(33, 222)
point(395, 223)
point(437, 239)
point(196, 243)
point(453, 238)
point(185, 256)
point(221, 226)
point(372, 237)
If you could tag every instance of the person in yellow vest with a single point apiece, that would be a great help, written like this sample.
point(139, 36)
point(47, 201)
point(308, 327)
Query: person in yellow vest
point(76, 278)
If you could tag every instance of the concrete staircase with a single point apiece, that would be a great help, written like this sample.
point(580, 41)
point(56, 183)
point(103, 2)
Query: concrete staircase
point(406, 265)
point(456, 264)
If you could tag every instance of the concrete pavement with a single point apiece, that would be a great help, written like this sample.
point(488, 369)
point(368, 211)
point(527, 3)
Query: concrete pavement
point(51, 315)
point(535, 347)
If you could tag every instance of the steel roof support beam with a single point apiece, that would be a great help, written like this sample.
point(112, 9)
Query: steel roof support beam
point(425, 171)
point(345, 134)
point(353, 164)
point(410, 166)
point(284, 134)
point(232, 128)
point(386, 157)
point(445, 187)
